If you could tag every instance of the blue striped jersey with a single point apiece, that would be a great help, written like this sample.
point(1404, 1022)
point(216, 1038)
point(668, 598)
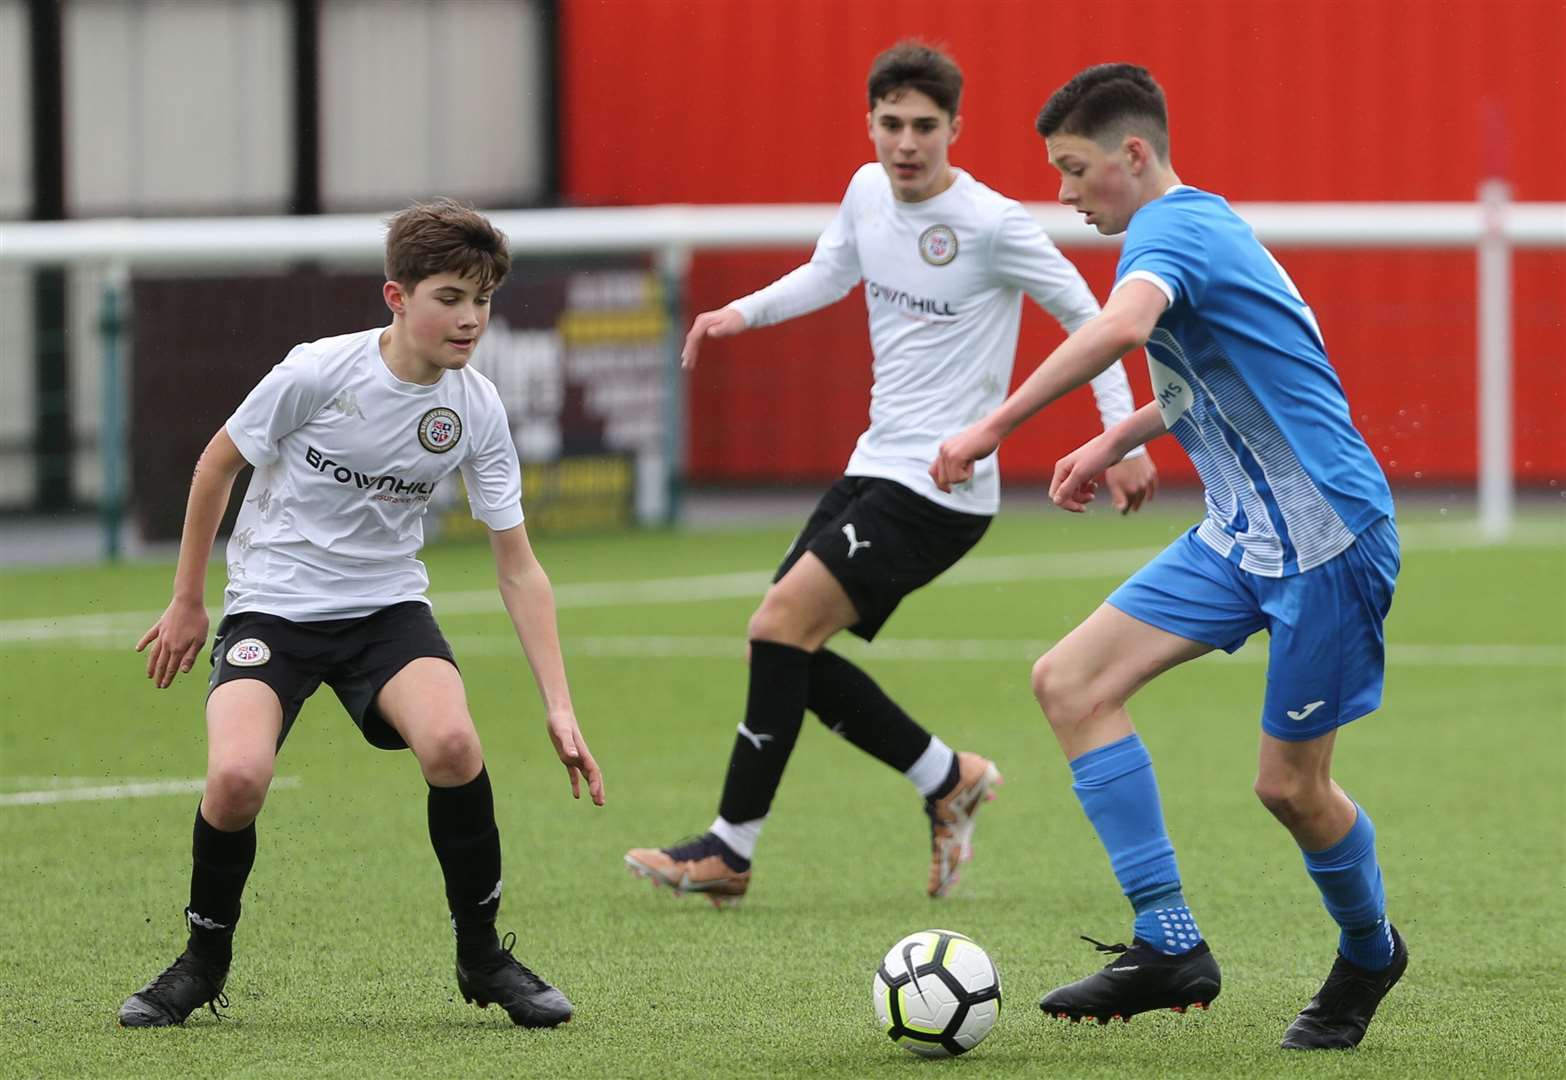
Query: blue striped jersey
point(1243, 382)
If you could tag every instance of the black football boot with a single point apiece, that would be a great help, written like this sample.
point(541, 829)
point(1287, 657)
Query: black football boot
point(1139, 979)
point(1340, 1012)
point(501, 979)
point(185, 985)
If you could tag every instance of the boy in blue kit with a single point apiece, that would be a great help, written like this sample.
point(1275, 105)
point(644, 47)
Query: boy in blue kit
point(1298, 540)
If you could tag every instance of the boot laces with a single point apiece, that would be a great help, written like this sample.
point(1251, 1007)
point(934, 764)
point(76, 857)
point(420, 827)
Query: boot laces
point(1101, 947)
point(187, 966)
point(505, 958)
point(1346, 982)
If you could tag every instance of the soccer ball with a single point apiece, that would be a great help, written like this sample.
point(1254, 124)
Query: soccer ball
point(936, 993)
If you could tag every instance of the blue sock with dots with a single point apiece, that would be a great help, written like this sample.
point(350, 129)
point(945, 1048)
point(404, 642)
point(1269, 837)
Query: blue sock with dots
point(1119, 794)
point(1165, 922)
point(1349, 878)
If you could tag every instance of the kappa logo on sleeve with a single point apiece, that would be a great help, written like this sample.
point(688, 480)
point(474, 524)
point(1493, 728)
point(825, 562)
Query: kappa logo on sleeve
point(347, 403)
point(251, 652)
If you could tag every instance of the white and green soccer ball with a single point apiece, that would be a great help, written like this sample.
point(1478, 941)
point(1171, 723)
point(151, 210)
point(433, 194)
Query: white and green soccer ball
point(937, 993)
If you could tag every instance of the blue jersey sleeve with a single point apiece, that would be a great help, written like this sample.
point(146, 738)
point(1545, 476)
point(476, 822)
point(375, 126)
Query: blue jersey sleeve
point(1166, 240)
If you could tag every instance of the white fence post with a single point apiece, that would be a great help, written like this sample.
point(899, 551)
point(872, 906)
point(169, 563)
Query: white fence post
point(113, 429)
point(1495, 364)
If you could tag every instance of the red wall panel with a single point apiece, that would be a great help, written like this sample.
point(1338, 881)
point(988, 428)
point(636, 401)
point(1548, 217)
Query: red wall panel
point(1334, 100)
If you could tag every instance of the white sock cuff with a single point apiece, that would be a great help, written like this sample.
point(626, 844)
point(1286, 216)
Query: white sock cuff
point(929, 772)
point(741, 838)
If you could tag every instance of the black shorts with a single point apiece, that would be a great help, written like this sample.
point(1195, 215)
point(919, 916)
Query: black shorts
point(882, 541)
point(355, 657)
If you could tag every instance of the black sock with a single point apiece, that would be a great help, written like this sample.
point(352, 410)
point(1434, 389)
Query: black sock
point(467, 843)
point(774, 711)
point(220, 863)
point(850, 703)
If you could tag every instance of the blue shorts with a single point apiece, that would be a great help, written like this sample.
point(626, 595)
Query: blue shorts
point(1327, 655)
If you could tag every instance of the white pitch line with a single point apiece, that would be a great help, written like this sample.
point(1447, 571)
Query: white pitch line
point(750, 584)
point(89, 629)
point(122, 628)
point(125, 627)
point(1019, 650)
point(141, 789)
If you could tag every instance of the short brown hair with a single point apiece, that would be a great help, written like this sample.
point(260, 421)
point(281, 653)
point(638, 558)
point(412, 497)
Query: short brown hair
point(913, 65)
point(1107, 102)
point(445, 236)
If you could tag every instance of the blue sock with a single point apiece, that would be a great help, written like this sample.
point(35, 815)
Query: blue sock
point(1118, 793)
point(1350, 882)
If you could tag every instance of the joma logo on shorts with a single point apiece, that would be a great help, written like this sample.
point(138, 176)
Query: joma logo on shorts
point(344, 475)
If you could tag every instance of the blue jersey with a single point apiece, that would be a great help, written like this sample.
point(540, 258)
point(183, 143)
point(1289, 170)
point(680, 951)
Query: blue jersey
point(1243, 381)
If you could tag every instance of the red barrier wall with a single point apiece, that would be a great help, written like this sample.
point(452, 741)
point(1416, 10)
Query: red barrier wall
point(1323, 100)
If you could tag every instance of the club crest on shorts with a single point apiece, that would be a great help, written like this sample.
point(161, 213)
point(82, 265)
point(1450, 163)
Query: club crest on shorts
point(938, 245)
point(251, 652)
point(440, 430)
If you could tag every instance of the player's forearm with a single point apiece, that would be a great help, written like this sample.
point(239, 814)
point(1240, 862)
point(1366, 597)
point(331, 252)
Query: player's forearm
point(530, 601)
point(802, 290)
point(1087, 353)
point(1136, 430)
point(208, 499)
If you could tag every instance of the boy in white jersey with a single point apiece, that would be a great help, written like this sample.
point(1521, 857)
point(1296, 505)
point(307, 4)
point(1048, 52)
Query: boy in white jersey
point(1298, 540)
point(945, 261)
point(348, 437)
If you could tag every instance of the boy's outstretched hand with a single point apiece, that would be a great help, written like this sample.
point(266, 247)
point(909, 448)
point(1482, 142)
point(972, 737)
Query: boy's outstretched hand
point(176, 640)
point(576, 757)
point(724, 322)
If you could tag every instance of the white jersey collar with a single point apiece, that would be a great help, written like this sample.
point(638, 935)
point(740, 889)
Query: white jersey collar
point(388, 377)
point(934, 202)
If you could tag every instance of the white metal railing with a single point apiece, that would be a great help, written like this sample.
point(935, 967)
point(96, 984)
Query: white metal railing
point(147, 242)
point(1491, 227)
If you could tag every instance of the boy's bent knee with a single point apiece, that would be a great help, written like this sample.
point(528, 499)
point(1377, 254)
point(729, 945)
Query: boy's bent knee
point(782, 621)
point(1063, 697)
point(450, 755)
point(234, 795)
point(1292, 797)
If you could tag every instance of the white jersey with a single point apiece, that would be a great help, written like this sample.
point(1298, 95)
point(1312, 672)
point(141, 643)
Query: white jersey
point(346, 458)
point(944, 280)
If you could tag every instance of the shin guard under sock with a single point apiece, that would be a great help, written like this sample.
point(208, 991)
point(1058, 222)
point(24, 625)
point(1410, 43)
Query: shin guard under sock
point(467, 844)
point(1119, 794)
point(774, 712)
point(851, 704)
point(1349, 877)
point(220, 865)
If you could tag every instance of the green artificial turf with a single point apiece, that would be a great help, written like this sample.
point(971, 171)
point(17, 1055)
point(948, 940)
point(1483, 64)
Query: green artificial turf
point(343, 960)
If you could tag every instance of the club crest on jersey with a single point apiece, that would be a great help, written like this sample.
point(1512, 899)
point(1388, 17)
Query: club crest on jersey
point(938, 245)
point(440, 430)
point(251, 652)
